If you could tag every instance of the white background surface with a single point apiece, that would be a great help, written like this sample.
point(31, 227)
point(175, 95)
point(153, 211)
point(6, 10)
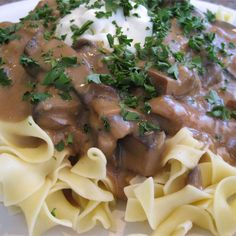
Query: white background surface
point(15, 225)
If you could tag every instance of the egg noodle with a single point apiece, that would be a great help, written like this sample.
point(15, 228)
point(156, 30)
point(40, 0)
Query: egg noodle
point(33, 179)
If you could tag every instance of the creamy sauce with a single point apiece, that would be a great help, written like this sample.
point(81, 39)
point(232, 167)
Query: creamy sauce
point(136, 28)
point(180, 102)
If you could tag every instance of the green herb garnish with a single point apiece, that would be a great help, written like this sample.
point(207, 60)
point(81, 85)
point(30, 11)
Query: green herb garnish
point(70, 139)
point(106, 124)
point(4, 79)
point(220, 112)
point(8, 33)
point(145, 127)
point(35, 97)
point(78, 31)
point(101, 14)
point(211, 17)
point(213, 98)
point(60, 146)
point(27, 61)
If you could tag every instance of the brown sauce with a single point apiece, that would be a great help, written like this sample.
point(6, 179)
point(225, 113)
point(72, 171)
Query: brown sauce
point(180, 103)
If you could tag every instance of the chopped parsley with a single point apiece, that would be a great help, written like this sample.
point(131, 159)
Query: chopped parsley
point(4, 79)
point(145, 127)
point(86, 128)
point(127, 7)
point(106, 124)
point(65, 6)
point(60, 146)
point(45, 13)
point(147, 108)
point(131, 101)
point(101, 14)
point(232, 45)
point(27, 61)
point(128, 115)
point(196, 63)
point(66, 62)
point(35, 97)
point(174, 71)
point(8, 33)
point(196, 42)
point(213, 98)
point(94, 78)
point(58, 78)
point(48, 35)
point(78, 31)
point(1, 61)
point(99, 78)
point(192, 24)
point(70, 139)
point(211, 17)
point(179, 56)
point(220, 112)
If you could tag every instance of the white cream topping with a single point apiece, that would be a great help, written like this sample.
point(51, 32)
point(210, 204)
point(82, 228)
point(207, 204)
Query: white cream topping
point(136, 28)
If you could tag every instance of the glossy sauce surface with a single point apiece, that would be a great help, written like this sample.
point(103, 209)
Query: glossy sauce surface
point(180, 102)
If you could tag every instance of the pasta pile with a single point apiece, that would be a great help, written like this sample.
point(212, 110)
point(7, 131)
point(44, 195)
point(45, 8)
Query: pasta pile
point(172, 207)
point(33, 177)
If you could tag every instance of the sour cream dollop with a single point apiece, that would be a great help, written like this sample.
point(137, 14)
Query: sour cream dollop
point(137, 26)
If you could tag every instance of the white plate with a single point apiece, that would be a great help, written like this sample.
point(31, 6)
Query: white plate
point(15, 225)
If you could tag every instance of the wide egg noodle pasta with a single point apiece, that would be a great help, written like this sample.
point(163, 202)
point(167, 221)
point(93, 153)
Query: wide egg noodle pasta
point(171, 207)
point(92, 166)
point(180, 221)
point(158, 208)
point(20, 179)
point(33, 177)
point(214, 206)
point(26, 140)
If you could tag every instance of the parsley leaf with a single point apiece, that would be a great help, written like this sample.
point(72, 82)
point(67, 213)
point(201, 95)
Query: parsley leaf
point(27, 61)
point(60, 146)
point(213, 98)
point(86, 128)
point(95, 78)
point(78, 31)
point(1, 61)
point(191, 23)
point(131, 101)
point(58, 78)
point(147, 108)
point(232, 45)
point(128, 115)
point(196, 63)
point(174, 70)
point(99, 78)
point(8, 33)
point(70, 139)
point(211, 17)
point(67, 62)
point(127, 7)
point(101, 14)
point(221, 112)
point(4, 79)
point(196, 43)
point(145, 127)
point(44, 13)
point(35, 97)
point(106, 124)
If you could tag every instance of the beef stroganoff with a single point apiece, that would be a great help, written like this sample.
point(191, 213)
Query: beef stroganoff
point(130, 100)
